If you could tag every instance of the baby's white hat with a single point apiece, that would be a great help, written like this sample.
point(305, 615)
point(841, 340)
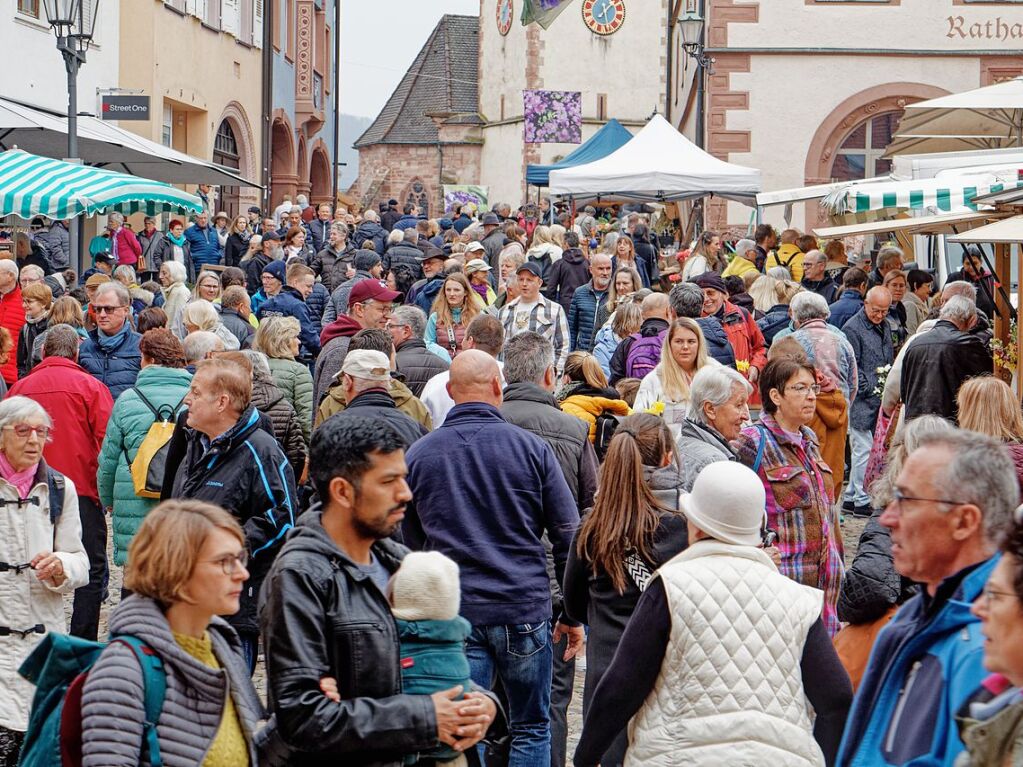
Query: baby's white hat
point(426, 587)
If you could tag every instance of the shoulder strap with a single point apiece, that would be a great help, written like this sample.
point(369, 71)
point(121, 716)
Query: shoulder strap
point(154, 680)
point(760, 448)
point(146, 402)
point(55, 488)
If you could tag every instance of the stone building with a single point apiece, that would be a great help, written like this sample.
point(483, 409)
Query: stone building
point(428, 133)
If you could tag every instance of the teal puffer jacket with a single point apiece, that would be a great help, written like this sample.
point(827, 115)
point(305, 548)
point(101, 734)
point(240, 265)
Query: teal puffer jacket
point(128, 426)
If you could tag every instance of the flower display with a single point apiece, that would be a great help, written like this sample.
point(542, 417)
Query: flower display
point(742, 366)
point(1006, 355)
point(465, 194)
point(552, 117)
point(882, 378)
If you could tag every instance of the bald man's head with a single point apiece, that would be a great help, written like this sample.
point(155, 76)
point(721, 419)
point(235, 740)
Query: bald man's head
point(655, 306)
point(475, 377)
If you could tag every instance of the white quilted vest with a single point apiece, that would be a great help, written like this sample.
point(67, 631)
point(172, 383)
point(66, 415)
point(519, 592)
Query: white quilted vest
point(730, 690)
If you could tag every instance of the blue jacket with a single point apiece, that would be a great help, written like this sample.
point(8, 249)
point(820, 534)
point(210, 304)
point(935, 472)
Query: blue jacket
point(405, 222)
point(372, 231)
point(848, 303)
point(484, 492)
point(289, 303)
point(925, 664)
point(116, 368)
point(425, 294)
point(316, 302)
point(776, 319)
point(604, 344)
point(718, 345)
point(872, 347)
point(204, 246)
point(582, 315)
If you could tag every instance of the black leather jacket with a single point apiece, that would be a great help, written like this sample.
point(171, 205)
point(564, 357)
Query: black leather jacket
point(323, 616)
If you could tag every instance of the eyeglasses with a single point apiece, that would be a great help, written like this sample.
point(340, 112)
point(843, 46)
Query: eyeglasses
point(230, 563)
point(24, 431)
point(989, 593)
point(802, 389)
point(898, 497)
point(105, 309)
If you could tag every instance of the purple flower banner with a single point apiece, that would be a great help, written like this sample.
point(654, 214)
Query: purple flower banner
point(553, 117)
point(465, 194)
point(542, 12)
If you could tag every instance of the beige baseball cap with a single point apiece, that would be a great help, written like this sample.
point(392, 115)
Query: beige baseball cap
point(368, 365)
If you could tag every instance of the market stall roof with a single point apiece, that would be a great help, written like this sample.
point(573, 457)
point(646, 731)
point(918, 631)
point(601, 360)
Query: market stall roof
point(1012, 197)
point(988, 117)
point(610, 137)
point(911, 225)
point(946, 193)
point(1009, 230)
point(44, 132)
point(804, 193)
point(39, 186)
point(659, 163)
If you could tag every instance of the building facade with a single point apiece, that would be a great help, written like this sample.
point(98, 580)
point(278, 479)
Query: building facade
point(33, 69)
point(811, 91)
point(304, 95)
point(200, 61)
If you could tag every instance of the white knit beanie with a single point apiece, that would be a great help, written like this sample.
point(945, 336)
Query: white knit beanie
point(425, 588)
point(727, 503)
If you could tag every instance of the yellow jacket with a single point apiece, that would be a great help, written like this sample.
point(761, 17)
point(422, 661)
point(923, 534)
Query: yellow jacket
point(587, 408)
point(789, 256)
point(738, 267)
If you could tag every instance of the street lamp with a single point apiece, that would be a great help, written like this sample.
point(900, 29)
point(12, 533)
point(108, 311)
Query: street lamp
point(73, 22)
point(691, 26)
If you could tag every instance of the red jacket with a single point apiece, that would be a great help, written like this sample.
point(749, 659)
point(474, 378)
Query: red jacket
point(12, 317)
point(126, 247)
point(746, 339)
point(80, 407)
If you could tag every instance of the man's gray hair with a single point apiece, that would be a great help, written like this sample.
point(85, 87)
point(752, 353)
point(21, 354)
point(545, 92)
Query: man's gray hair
point(34, 271)
point(412, 317)
point(199, 344)
point(15, 410)
point(125, 272)
point(807, 305)
point(259, 361)
point(123, 296)
point(889, 254)
point(686, 300)
point(715, 384)
point(959, 310)
point(744, 246)
point(370, 215)
point(10, 266)
point(61, 341)
point(959, 288)
point(395, 237)
point(980, 473)
point(411, 235)
point(527, 357)
point(295, 208)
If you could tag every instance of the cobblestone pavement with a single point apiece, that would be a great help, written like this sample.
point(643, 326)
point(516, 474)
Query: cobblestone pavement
point(851, 530)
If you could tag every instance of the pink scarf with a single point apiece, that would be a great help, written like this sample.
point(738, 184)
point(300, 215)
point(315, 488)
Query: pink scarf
point(22, 480)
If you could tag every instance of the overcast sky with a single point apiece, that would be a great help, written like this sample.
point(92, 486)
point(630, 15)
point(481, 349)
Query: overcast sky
point(379, 40)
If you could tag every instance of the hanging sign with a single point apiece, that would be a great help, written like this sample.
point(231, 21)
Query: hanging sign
point(113, 107)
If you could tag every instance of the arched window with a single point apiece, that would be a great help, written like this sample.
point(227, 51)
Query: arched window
point(860, 154)
point(225, 152)
point(416, 194)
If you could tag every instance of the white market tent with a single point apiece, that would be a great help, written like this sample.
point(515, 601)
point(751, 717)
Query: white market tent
point(1006, 232)
point(661, 164)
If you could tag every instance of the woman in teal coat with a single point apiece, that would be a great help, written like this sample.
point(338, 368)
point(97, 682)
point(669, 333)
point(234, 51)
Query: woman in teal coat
point(163, 382)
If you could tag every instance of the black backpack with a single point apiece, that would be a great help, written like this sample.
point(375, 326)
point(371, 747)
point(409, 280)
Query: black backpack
point(607, 424)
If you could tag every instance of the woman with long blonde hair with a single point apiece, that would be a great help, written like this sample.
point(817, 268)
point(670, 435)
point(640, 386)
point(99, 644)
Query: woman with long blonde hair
point(625, 283)
point(633, 528)
point(455, 306)
point(666, 387)
point(987, 405)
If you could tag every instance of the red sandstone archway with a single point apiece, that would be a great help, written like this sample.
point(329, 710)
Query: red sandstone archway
point(283, 175)
point(320, 187)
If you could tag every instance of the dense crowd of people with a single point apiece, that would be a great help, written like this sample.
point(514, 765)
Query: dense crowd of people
point(415, 466)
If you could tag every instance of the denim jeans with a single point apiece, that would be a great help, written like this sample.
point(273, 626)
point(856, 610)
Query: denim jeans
point(860, 442)
point(521, 657)
point(85, 615)
point(250, 649)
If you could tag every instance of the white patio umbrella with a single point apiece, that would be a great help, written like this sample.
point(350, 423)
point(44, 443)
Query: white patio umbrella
point(985, 118)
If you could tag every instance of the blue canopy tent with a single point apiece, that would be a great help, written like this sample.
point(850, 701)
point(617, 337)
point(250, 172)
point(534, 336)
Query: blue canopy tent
point(602, 143)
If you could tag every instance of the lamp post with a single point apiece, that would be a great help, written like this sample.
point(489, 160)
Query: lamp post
point(692, 25)
point(73, 22)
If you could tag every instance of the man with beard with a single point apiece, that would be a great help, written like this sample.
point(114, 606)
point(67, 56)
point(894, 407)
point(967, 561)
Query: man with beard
point(331, 642)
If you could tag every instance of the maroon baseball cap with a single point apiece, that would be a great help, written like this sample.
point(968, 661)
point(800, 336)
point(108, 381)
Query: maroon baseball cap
point(372, 290)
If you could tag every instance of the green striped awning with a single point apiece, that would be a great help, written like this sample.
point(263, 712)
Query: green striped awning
point(944, 195)
point(39, 186)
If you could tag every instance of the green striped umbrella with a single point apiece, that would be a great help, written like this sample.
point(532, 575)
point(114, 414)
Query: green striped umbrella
point(941, 194)
point(38, 186)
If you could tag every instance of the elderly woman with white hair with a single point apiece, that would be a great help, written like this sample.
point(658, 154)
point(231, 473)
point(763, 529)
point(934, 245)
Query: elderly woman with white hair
point(743, 261)
point(42, 554)
point(175, 294)
point(202, 315)
point(718, 409)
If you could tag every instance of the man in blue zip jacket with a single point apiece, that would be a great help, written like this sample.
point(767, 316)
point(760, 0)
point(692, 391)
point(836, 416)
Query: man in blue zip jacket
point(290, 302)
point(484, 492)
point(953, 497)
point(232, 462)
point(203, 243)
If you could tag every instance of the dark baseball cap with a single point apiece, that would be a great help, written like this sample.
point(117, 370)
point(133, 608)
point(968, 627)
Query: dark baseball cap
point(254, 209)
point(271, 235)
point(531, 267)
point(372, 290)
point(105, 257)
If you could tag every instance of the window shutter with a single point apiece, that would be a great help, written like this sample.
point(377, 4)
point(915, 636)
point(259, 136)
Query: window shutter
point(229, 16)
point(257, 22)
